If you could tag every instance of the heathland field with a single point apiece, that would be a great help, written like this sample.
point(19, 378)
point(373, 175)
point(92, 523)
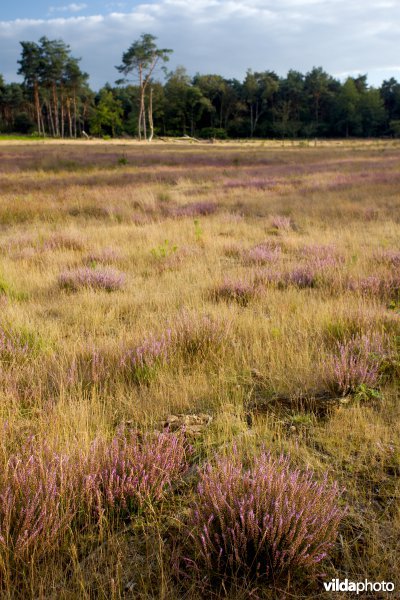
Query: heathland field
point(199, 369)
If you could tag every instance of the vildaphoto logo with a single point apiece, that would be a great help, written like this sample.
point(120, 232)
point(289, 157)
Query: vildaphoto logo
point(336, 585)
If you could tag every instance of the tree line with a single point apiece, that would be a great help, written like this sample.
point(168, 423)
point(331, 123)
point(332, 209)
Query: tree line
point(55, 99)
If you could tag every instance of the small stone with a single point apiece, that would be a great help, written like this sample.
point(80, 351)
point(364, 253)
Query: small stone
point(130, 586)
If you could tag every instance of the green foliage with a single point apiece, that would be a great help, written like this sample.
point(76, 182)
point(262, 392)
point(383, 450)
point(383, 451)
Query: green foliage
point(213, 132)
point(53, 83)
point(302, 420)
point(394, 305)
point(55, 100)
point(24, 123)
point(184, 103)
point(164, 250)
point(364, 393)
point(141, 54)
point(198, 232)
point(141, 59)
point(372, 112)
point(107, 116)
point(348, 109)
point(8, 290)
point(394, 127)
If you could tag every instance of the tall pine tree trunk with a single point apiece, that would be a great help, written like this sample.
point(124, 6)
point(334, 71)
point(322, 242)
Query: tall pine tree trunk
point(151, 115)
point(144, 116)
point(37, 106)
point(55, 108)
point(69, 117)
point(141, 105)
point(50, 118)
point(75, 118)
point(62, 115)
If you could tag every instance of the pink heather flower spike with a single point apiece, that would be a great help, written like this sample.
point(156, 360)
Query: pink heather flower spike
point(265, 521)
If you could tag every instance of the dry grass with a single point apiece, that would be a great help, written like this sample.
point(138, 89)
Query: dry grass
point(64, 378)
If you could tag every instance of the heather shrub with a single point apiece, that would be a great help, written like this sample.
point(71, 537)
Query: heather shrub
point(301, 277)
point(265, 522)
point(357, 362)
point(141, 361)
point(380, 286)
point(367, 285)
point(103, 256)
point(262, 254)
point(64, 241)
point(36, 504)
point(84, 277)
point(196, 209)
point(44, 493)
point(390, 257)
point(189, 335)
point(237, 291)
point(252, 183)
point(18, 242)
point(321, 257)
point(131, 470)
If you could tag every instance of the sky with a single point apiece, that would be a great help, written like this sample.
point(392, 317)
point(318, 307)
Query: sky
point(345, 37)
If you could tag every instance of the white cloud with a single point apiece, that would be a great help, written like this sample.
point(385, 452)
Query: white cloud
point(73, 8)
point(225, 36)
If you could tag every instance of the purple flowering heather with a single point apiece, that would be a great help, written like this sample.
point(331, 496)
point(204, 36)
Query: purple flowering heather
point(64, 241)
point(321, 257)
point(392, 257)
point(262, 522)
point(356, 362)
point(256, 183)
point(262, 254)
point(105, 256)
point(131, 470)
point(238, 291)
point(195, 209)
point(372, 284)
point(302, 277)
point(189, 334)
point(104, 279)
point(36, 504)
point(43, 493)
point(151, 351)
point(381, 286)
